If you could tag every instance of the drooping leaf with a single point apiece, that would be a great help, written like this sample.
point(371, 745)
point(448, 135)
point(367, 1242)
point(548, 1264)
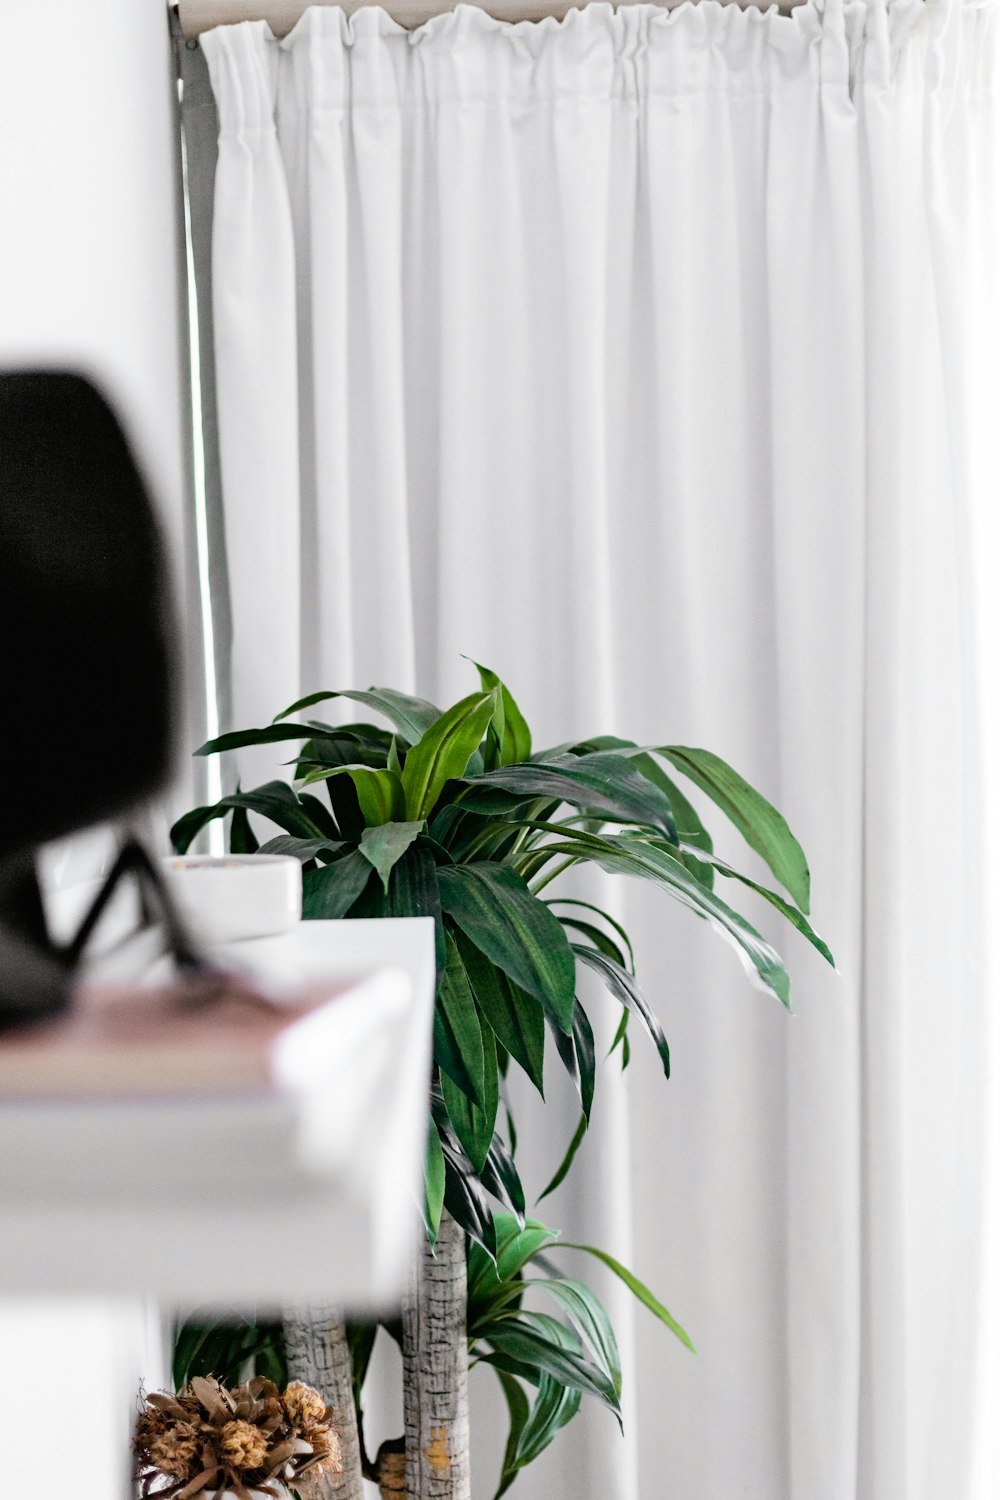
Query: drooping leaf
point(562, 1171)
point(602, 782)
point(303, 849)
point(587, 1315)
point(473, 1125)
point(515, 1017)
point(412, 717)
point(501, 1177)
point(763, 827)
point(627, 854)
point(579, 1056)
point(500, 916)
point(384, 846)
point(554, 1406)
point(458, 1032)
point(625, 989)
point(531, 1338)
point(789, 912)
point(443, 751)
point(599, 911)
point(637, 1288)
point(330, 891)
point(518, 1409)
point(242, 839)
point(270, 734)
point(464, 1196)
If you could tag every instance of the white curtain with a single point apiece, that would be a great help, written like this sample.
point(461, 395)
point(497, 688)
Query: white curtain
point(649, 357)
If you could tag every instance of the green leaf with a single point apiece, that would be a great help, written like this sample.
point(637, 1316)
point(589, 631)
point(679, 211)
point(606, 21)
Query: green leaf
point(384, 846)
point(603, 783)
point(555, 1405)
point(579, 1056)
point(637, 1289)
point(444, 750)
point(588, 1316)
point(531, 1338)
point(518, 1410)
point(332, 890)
point(500, 916)
point(626, 854)
point(624, 988)
point(515, 1017)
point(242, 839)
point(380, 792)
point(763, 827)
point(458, 1033)
point(607, 917)
point(271, 734)
point(464, 1196)
point(515, 742)
point(303, 849)
point(412, 717)
point(474, 1126)
point(516, 1245)
point(434, 1174)
point(562, 1171)
point(789, 912)
point(501, 1178)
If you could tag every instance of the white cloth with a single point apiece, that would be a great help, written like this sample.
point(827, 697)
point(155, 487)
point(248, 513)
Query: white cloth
point(649, 357)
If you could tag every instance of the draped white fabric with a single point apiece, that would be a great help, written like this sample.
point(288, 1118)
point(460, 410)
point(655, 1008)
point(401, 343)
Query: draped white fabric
point(650, 358)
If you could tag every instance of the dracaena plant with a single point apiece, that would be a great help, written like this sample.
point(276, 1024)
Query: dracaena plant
point(452, 815)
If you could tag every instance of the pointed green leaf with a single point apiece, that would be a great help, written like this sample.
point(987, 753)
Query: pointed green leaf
point(515, 741)
point(531, 1338)
point(458, 1033)
point(626, 854)
point(587, 1315)
point(411, 716)
point(515, 1017)
point(562, 1172)
point(517, 1410)
point(637, 1289)
point(444, 750)
point(579, 1056)
point(332, 890)
point(384, 846)
point(789, 912)
point(603, 783)
point(500, 916)
point(763, 827)
point(625, 989)
point(380, 792)
point(303, 849)
point(474, 1126)
point(555, 1405)
point(434, 1174)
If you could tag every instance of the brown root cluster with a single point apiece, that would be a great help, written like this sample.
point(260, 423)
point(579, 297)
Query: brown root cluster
point(209, 1439)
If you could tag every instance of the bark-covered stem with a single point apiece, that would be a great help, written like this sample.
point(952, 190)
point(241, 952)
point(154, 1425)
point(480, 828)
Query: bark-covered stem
point(318, 1353)
point(435, 1372)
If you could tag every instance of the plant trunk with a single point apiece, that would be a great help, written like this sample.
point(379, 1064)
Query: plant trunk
point(317, 1352)
point(436, 1370)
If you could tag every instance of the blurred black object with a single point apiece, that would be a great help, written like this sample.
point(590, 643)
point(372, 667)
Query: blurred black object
point(87, 646)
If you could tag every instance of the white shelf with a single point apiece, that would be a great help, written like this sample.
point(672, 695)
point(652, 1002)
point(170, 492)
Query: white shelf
point(332, 1212)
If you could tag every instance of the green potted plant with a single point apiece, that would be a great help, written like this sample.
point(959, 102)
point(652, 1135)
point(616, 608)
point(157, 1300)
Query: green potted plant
point(452, 815)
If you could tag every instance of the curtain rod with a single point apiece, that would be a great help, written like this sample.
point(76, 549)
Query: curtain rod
point(197, 16)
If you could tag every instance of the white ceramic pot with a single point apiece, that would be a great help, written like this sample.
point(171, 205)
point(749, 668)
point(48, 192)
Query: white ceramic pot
point(228, 897)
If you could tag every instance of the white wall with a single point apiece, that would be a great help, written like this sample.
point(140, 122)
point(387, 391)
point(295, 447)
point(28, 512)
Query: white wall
point(89, 278)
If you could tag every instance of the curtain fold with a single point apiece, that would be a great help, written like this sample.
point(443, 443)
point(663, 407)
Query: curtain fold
point(650, 357)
